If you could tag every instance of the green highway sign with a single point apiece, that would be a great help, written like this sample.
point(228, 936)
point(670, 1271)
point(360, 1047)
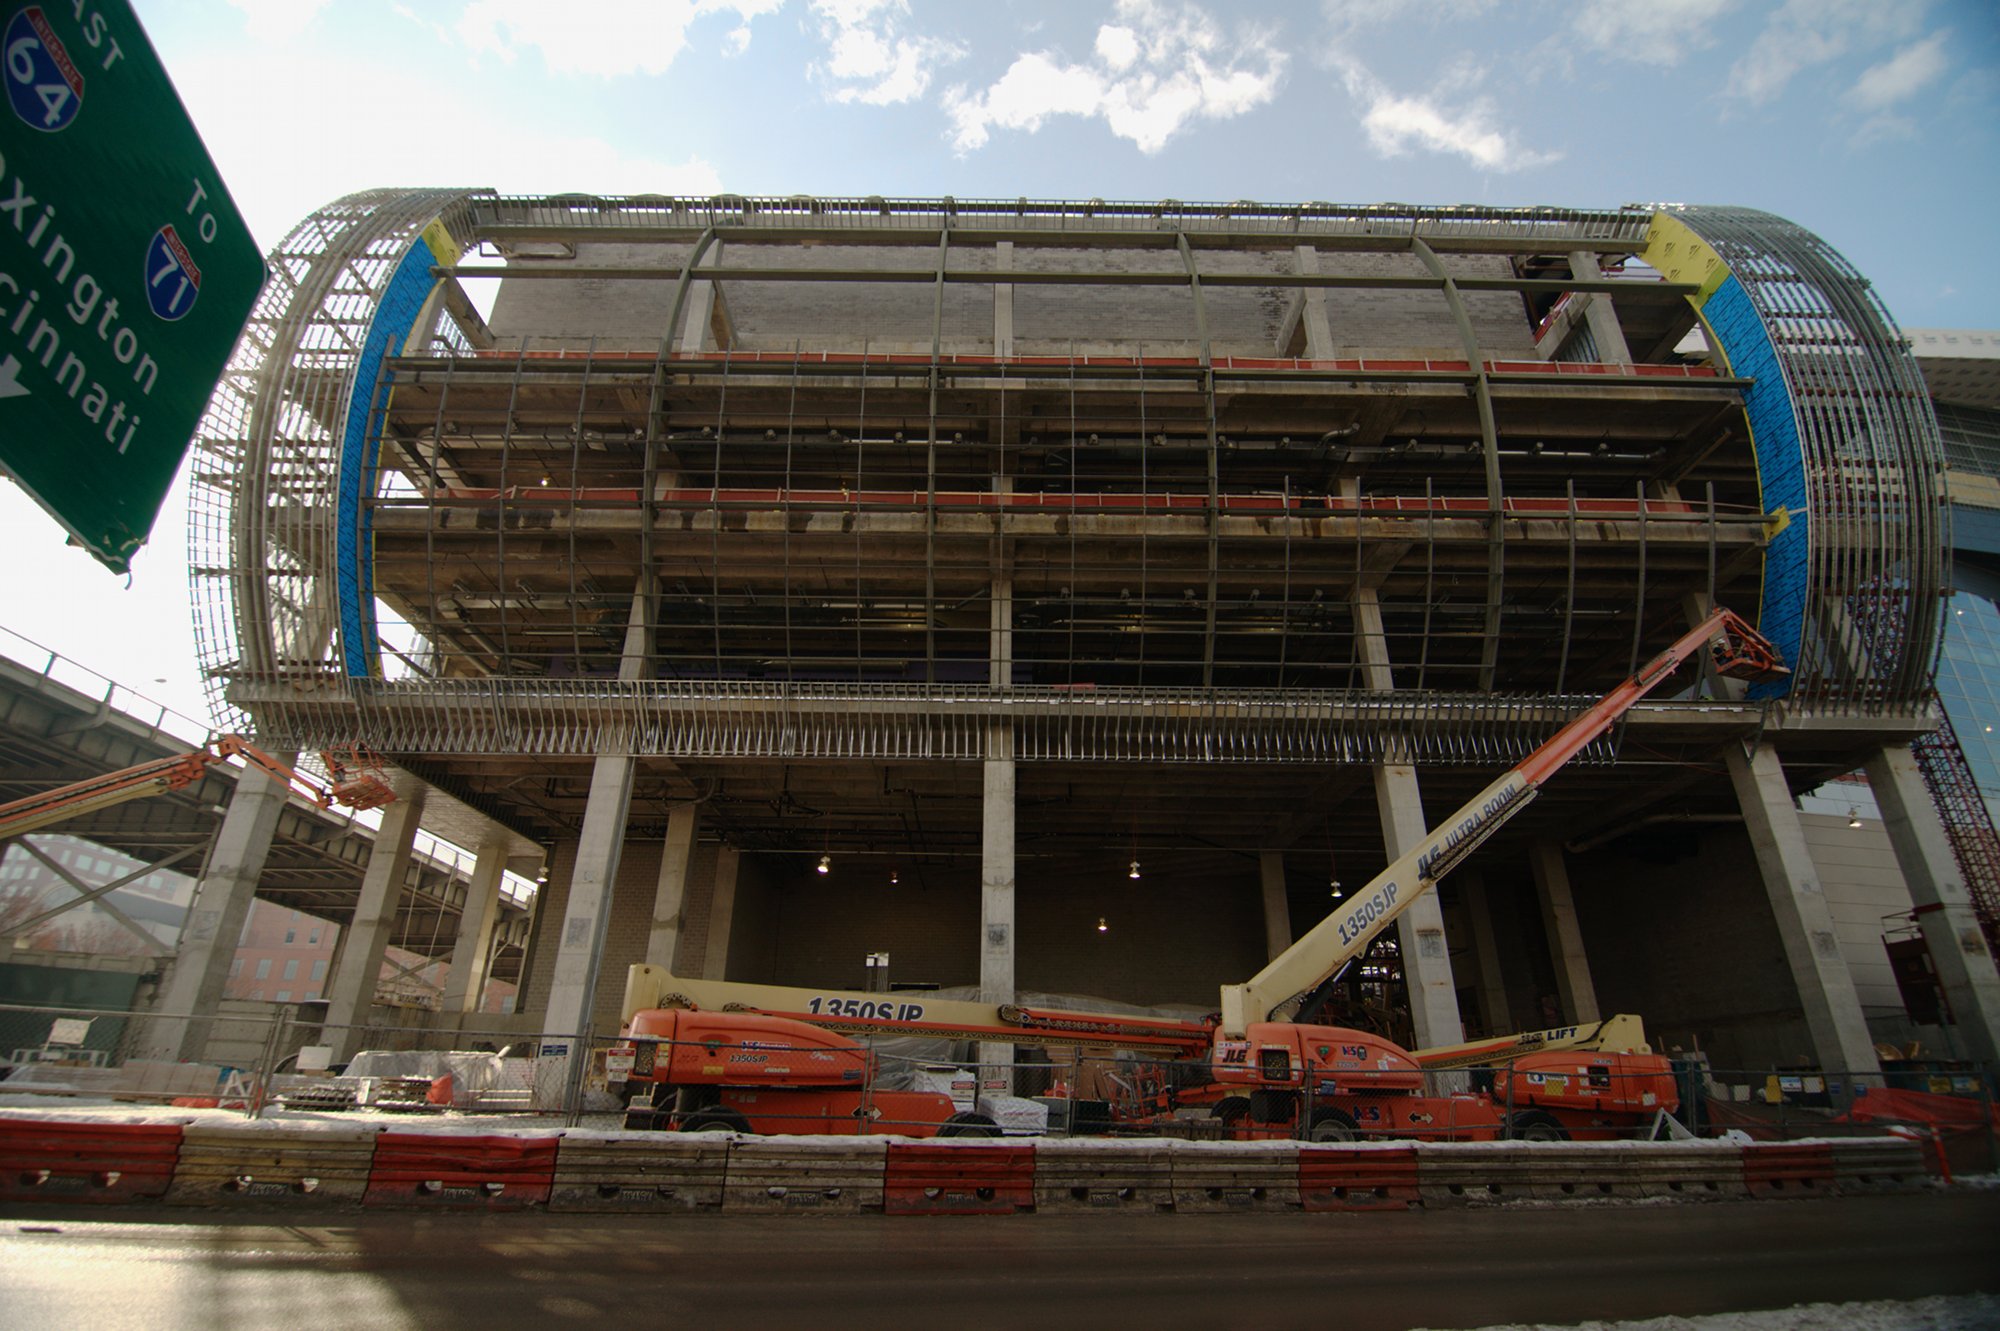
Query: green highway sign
point(126, 272)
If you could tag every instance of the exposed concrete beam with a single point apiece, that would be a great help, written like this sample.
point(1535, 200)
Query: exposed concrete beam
point(193, 988)
point(1495, 1014)
point(1277, 910)
point(1833, 1014)
point(1944, 910)
point(670, 892)
point(364, 941)
point(996, 881)
point(1552, 886)
point(472, 954)
point(721, 913)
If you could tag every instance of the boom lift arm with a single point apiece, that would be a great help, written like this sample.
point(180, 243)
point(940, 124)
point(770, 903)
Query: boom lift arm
point(649, 987)
point(1622, 1033)
point(354, 784)
point(1740, 652)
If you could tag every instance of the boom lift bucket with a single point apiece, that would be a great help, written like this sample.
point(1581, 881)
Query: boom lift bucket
point(1742, 653)
point(357, 777)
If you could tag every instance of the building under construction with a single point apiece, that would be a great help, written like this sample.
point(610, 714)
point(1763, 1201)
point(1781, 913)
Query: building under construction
point(1071, 597)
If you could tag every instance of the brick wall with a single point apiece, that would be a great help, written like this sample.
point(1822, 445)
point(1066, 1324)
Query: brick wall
point(618, 314)
point(896, 317)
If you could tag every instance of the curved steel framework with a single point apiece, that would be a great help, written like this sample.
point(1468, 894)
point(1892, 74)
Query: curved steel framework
point(261, 535)
point(858, 478)
point(1873, 463)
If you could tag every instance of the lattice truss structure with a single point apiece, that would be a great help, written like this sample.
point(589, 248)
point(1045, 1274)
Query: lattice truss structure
point(731, 481)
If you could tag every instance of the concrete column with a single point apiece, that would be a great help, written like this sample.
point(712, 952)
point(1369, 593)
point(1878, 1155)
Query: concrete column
point(215, 921)
point(1277, 909)
point(1000, 610)
point(364, 941)
point(1420, 929)
point(465, 982)
point(1826, 990)
point(593, 877)
point(676, 863)
point(721, 913)
point(1573, 983)
point(1599, 314)
point(1944, 908)
point(1003, 301)
point(996, 838)
point(1495, 1014)
point(580, 946)
point(1312, 306)
point(996, 881)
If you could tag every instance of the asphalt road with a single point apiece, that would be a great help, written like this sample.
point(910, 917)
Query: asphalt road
point(383, 1271)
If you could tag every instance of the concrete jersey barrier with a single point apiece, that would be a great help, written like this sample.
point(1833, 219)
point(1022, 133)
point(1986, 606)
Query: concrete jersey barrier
point(261, 1163)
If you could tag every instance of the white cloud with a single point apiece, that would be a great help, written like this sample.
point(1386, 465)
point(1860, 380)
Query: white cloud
point(1884, 129)
point(278, 21)
point(1157, 68)
point(1652, 32)
point(1350, 16)
point(869, 55)
point(1117, 47)
point(1806, 33)
point(1395, 124)
point(1465, 127)
point(1902, 76)
point(375, 147)
point(604, 37)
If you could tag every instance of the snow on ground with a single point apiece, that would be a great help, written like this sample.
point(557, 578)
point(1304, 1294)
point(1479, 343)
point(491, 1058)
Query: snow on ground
point(1970, 1312)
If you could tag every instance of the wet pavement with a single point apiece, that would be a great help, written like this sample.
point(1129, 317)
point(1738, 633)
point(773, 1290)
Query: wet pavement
point(271, 1270)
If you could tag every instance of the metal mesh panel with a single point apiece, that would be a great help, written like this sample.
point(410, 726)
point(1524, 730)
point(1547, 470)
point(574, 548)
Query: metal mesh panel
point(1542, 227)
point(262, 501)
point(1873, 459)
point(1971, 438)
point(800, 720)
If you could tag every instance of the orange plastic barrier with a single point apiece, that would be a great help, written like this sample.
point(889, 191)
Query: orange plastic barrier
point(487, 1173)
point(1788, 1169)
point(1346, 1178)
point(42, 1160)
point(937, 1179)
point(1889, 1105)
point(1957, 1132)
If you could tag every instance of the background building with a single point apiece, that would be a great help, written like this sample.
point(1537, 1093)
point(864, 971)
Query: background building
point(1062, 596)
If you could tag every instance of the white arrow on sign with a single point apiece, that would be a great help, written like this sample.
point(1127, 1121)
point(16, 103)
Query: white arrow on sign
point(10, 381)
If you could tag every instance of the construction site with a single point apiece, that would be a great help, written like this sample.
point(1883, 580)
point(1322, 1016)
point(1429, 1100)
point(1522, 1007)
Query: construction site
point(1021, 622)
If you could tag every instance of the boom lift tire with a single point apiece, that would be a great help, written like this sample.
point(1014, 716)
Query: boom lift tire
point(716, 1120)
point(969, 1125)
point(1231, 1109)
point(1334, 1125)
point(1533, 1125)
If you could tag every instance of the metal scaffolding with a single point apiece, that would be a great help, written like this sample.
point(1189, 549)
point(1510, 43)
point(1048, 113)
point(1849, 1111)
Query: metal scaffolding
point(1144, 483)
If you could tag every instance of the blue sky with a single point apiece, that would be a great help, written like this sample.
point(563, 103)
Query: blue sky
point(1871, 122)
